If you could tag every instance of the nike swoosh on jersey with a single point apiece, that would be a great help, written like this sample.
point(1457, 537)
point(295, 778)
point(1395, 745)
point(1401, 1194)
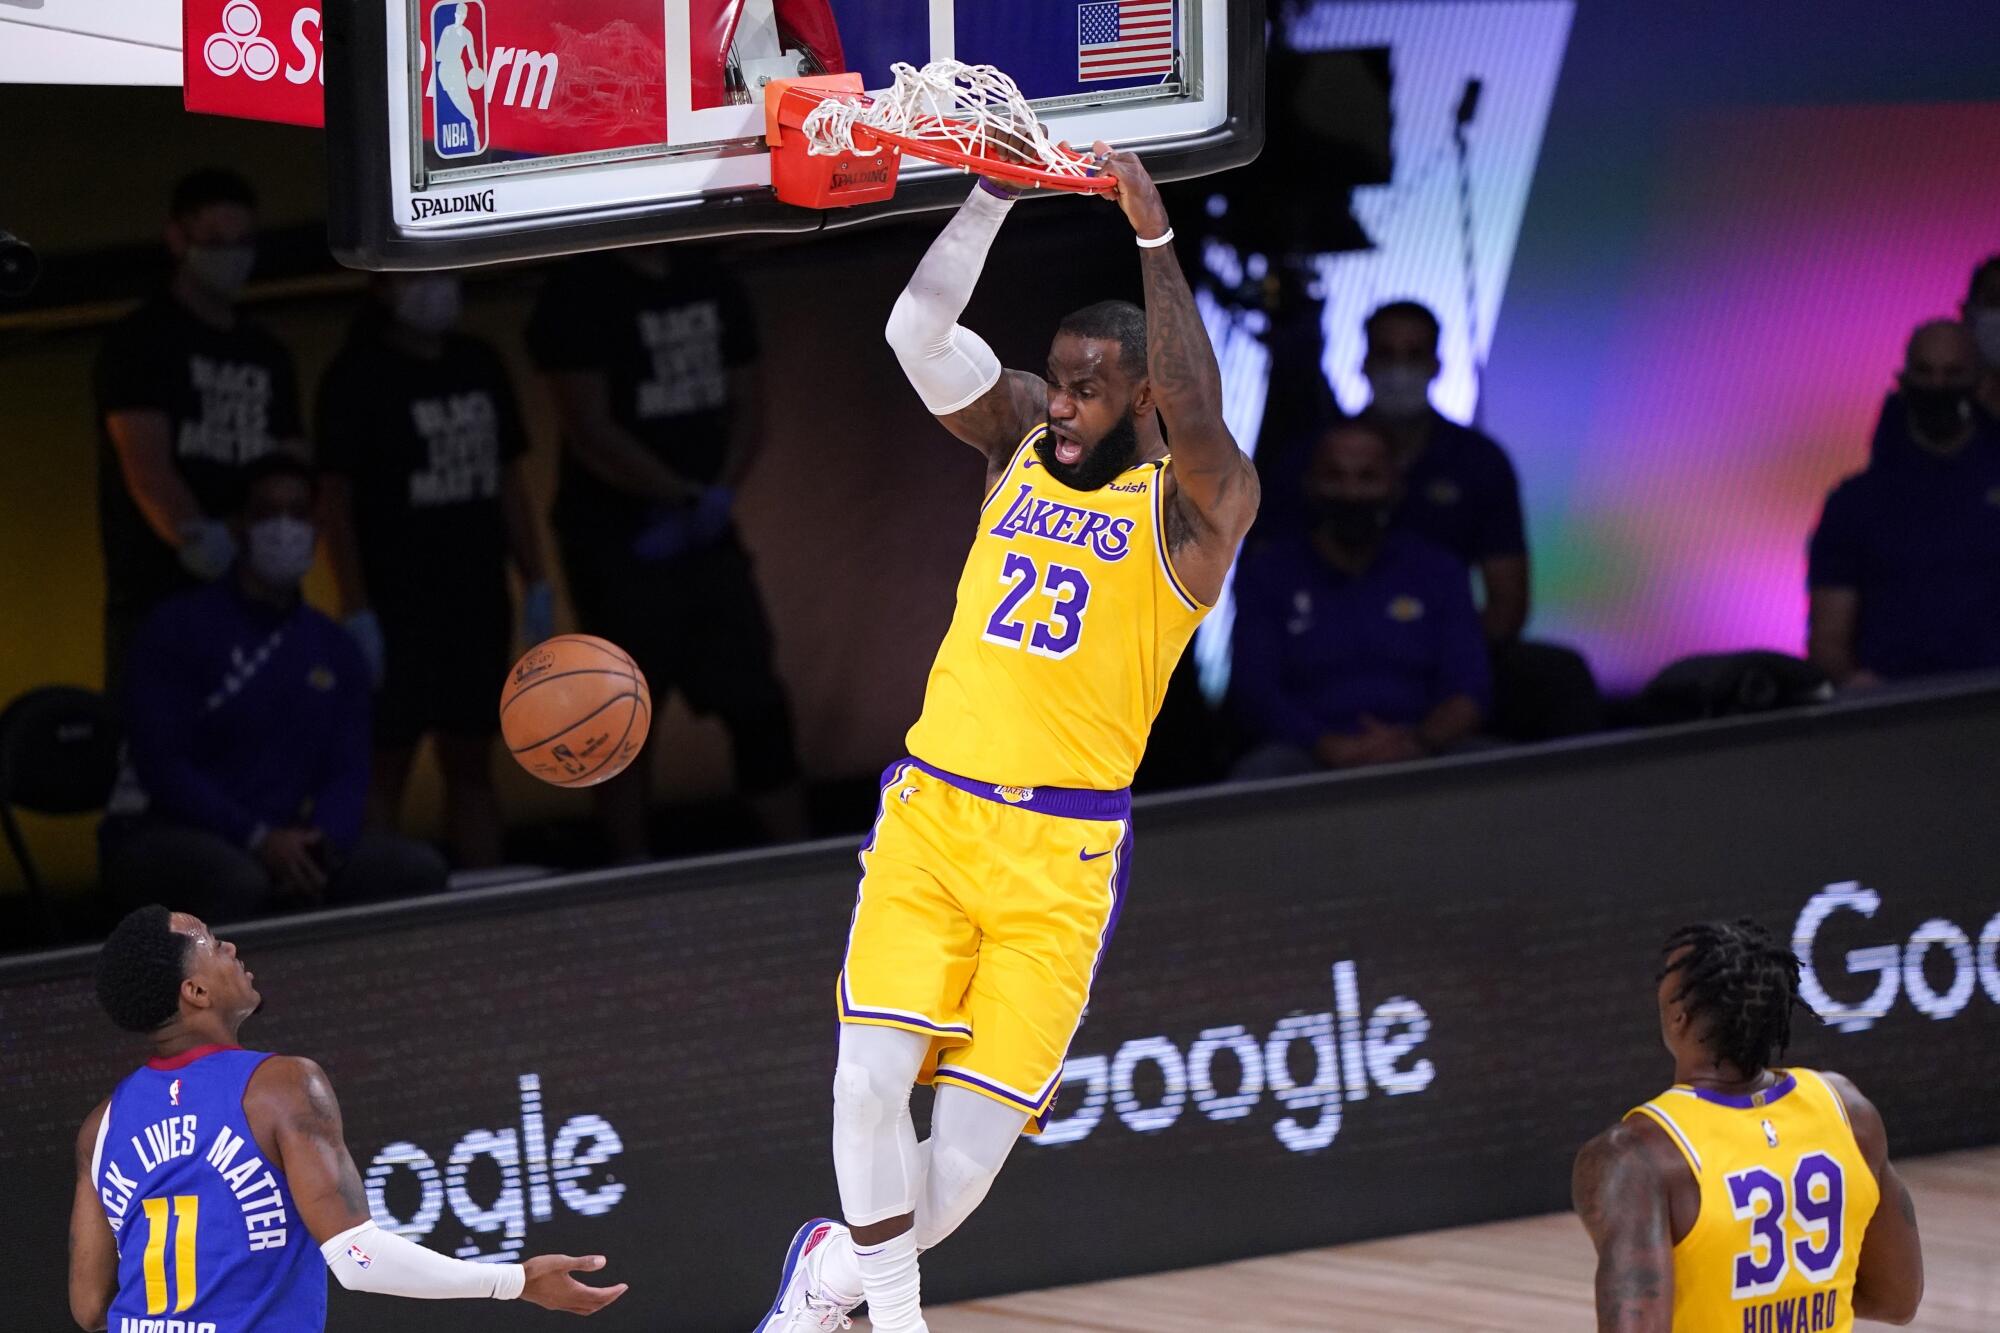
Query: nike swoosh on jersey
point(1092, 856)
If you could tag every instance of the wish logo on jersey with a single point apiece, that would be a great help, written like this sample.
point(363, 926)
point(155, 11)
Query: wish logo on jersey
point(458, 108)
point(1032, 515)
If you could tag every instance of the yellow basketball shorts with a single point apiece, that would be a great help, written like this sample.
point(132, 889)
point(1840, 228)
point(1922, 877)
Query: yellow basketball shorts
point(984, 912)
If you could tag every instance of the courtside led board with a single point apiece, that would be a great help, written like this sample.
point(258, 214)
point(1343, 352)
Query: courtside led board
point(472, 131)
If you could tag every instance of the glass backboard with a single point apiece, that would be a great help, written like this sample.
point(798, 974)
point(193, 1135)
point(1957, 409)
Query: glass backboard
point(474, 131)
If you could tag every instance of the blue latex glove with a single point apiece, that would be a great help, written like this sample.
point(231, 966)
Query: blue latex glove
point(207, 549)
point(538, 612)
point(711, 514)
point(669, 532)
point(367, 632)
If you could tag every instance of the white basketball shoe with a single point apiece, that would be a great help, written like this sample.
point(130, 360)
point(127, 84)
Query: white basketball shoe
point(803, 1304)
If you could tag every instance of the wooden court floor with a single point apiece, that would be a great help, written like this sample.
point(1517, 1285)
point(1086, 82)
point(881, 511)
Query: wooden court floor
point(1528, 1276)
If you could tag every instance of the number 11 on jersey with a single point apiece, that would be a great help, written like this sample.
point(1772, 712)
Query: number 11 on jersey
point(185, 1219)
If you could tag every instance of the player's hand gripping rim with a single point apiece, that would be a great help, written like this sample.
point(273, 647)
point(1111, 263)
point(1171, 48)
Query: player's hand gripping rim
point(1136, 194)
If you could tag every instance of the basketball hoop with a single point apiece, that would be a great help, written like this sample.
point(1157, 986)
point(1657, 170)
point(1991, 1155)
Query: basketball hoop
point(832, 144)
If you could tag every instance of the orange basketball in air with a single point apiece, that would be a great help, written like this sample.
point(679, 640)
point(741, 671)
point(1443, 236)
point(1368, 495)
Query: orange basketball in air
point(575, 710)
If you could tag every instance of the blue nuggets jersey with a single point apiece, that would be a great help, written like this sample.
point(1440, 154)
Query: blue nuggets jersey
point(208, 1239)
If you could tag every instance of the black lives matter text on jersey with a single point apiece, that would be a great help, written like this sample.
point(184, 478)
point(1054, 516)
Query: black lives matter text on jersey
point(253, 1185)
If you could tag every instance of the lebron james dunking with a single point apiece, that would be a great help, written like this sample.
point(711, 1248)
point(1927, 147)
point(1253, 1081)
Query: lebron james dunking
point(994, 876)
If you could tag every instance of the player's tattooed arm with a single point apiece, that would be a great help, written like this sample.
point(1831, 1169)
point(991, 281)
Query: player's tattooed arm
point(998, 419)
point(1215, 484)
point(292, 1107)
point(1619, 1194)
point(93, 1250)
point(1889, 1282)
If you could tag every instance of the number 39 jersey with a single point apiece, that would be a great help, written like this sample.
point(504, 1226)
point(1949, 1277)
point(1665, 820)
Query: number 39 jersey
point(1785, 1199)
point(208, 1238)
point(1069, 621)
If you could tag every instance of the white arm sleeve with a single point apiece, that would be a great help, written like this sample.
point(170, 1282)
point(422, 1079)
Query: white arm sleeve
point(949, 366)
point(367, 1258)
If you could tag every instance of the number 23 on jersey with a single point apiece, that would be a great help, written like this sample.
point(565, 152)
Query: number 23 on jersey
point(1057, 626)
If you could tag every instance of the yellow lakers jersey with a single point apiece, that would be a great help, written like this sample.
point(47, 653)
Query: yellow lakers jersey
point(1785, 1199)
point(1069, 622)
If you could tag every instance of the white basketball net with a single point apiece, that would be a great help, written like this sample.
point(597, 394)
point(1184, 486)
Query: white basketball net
point(974, 109)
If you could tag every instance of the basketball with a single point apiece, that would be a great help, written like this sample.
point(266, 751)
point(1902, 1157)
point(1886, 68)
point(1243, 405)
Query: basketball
point(575, 710)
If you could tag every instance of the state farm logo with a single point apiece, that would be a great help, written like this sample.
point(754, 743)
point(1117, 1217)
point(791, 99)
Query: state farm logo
point(497, 1181)
point(1962, 963)
point(1309, 1065)
point(241, 44)
point(514, 76)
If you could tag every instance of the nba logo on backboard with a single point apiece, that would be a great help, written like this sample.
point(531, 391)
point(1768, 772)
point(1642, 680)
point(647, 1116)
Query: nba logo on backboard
point(458, 59)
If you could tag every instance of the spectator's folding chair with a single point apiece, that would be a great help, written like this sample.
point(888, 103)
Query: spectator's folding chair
point(58, 756)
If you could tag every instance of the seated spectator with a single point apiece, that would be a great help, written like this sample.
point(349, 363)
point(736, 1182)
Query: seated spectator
point(1356, 643)
point(1459, 487)
point(1460, 492)
point(423, 461)
point(247, 718)
point(1904, 569)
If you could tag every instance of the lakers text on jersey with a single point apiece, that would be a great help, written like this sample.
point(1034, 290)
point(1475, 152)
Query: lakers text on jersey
point(1068, 623)
point(208, 1238)
point(1785, 1199)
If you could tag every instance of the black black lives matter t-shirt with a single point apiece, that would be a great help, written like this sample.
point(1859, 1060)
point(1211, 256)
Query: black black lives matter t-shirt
point(422, 442)
point(231, 396)
point(666, 346)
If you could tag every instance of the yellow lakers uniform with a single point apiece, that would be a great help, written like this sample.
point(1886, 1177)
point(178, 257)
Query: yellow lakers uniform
point(996, 868)
point(1786, 1197)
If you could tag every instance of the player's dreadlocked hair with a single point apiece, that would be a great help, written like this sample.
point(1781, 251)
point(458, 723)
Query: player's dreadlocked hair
point(140, 968)
point(1742, 983)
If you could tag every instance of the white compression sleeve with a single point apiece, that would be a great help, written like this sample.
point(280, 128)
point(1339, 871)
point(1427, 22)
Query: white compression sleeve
point(949, 365)
point(367, 1258)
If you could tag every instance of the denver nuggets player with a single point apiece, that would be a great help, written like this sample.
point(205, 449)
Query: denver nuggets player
point(213, 1188)
point(1744, 1198)
point(994, 876)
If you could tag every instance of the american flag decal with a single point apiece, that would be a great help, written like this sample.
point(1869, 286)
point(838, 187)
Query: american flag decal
point(1124, 39)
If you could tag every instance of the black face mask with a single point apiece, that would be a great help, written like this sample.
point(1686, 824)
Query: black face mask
point(1118, 450)
point(1938, 413)
point(1351, 522)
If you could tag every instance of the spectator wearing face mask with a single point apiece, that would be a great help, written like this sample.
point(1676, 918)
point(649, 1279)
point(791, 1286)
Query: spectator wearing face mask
point(1980, 310)
point(1904, 569)
point(1459, 488)
point(1357, 642)
point(189, 393)
point(426, 500)
point(247, 724)
point(1460, 492)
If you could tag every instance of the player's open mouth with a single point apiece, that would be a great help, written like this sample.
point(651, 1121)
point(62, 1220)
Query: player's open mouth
point(1068, 452)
